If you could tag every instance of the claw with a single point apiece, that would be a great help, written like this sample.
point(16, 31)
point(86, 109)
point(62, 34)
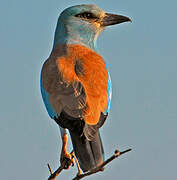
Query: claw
point(66, 157)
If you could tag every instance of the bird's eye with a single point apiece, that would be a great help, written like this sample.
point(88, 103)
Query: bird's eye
point(86, 15)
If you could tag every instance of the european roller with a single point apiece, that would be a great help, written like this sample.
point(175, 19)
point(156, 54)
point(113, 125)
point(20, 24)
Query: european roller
point(76, 84)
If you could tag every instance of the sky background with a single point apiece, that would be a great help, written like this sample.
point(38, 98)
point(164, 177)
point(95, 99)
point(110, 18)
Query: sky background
point(142, 60)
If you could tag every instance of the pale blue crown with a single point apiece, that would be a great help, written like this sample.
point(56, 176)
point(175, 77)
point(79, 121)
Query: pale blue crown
point(72, 30)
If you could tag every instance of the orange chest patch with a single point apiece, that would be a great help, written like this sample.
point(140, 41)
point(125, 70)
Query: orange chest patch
point(84, 65)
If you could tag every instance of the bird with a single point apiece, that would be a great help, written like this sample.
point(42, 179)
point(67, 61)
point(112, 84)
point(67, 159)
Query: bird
point(76, 84)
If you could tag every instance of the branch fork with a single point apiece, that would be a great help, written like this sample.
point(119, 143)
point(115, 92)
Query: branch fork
point(79, 175)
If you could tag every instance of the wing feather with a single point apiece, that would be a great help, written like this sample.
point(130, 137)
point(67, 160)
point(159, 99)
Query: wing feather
point(76, 84)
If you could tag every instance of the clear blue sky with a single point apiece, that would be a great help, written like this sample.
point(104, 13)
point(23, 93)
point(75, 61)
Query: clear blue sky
point(142, 58)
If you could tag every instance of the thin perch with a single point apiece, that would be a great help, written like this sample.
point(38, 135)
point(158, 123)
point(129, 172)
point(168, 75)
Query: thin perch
point(101, 167)
point(79, 176)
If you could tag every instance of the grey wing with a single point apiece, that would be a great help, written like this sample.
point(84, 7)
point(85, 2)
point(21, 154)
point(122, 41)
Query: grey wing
point(69, 98)
point(62, 96)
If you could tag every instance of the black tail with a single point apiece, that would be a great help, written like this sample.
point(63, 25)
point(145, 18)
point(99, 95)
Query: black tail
point(85, 138)
point(89, 153)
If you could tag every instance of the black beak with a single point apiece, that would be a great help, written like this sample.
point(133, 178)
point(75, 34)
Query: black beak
point(111, 19)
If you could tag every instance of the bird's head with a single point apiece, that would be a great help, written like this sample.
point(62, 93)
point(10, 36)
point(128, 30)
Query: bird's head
point(83, 23)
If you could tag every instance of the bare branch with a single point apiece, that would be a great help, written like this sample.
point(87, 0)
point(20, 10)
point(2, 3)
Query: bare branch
point(101, 167)
point(79, 176)
point(50, 170)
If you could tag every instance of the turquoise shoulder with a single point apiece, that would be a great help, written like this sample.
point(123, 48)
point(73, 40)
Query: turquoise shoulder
point(45, 97)
point(109, 91)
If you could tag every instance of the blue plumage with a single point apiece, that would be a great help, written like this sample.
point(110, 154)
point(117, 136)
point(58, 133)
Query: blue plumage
point(109, 90)
point(45, 97)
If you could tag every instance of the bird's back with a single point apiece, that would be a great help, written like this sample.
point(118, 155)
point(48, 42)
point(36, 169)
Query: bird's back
point(75, 77)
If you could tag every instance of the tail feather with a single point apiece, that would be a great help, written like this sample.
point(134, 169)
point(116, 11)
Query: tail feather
point(89, 153)
point(85, 138)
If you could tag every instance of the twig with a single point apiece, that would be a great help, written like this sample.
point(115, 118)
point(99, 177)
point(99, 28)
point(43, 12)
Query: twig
point(79, 176)
point(50, 170)
point(101, 167)
point(58, 171)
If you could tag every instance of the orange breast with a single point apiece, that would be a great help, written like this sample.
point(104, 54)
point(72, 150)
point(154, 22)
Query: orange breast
point(93, 77)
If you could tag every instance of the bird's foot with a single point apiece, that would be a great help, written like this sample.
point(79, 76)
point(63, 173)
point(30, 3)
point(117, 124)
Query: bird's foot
point(67, 159)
